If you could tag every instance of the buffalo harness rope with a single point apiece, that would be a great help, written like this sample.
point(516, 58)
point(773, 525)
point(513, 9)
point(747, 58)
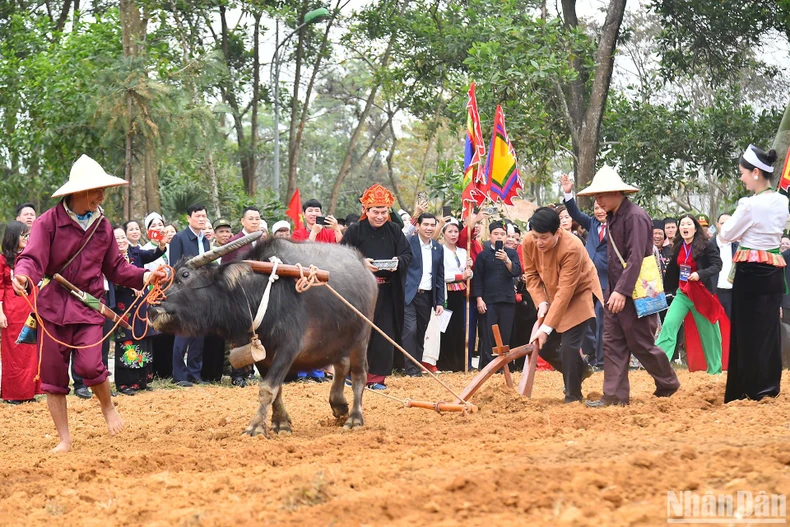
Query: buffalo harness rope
point(305, 282)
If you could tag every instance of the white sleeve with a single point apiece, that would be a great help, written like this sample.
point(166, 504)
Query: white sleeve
point(449, 266)
point(739, 223)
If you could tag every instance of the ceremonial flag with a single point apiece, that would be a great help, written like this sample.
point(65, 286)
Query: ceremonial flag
point(295, 210)
point(784, 182)
point(501, 169)
point(475, 185)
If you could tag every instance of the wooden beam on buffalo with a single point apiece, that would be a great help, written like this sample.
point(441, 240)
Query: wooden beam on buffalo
point(287, 270)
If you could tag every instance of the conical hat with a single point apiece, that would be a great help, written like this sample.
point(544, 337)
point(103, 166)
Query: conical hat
point(87, 174)
point(607, 180)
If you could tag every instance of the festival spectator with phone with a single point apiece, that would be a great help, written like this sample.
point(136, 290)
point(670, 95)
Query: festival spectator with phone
point(495, 298)
point(318, 228)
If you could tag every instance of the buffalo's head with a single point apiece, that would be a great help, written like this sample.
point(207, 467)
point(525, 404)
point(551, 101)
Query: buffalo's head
point(203, 298)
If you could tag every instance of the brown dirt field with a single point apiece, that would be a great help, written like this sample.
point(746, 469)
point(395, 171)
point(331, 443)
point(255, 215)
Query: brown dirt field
point(181, 460)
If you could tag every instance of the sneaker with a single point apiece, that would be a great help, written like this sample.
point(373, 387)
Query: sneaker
point(376, 386)
point(241, 382)
point(83, 393)
point(348, 382)
point(430, 367)
point(184, 384)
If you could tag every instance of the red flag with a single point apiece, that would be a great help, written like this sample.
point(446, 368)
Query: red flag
point(295, 210)
point(475, 186)
point(784, 182)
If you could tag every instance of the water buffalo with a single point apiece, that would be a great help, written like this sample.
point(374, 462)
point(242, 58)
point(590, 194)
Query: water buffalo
point(301, 331)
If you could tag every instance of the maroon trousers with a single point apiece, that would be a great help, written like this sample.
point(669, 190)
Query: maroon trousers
point(55, 357)
point(625, 333)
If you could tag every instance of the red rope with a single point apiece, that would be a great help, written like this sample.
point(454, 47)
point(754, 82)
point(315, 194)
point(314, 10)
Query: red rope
point(154, 297)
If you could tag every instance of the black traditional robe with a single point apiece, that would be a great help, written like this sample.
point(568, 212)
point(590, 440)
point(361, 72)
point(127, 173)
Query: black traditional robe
point(383, 243)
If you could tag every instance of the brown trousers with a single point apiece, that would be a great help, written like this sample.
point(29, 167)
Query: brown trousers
point(624, 333)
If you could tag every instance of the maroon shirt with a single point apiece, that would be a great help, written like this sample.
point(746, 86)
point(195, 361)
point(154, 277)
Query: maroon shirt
point(56, 238)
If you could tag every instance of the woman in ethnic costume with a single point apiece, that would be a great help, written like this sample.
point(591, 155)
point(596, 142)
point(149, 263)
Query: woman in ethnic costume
point(133, 356)
point(692, 274)
point(20, 361)
point(457, 269)
point(755, 368)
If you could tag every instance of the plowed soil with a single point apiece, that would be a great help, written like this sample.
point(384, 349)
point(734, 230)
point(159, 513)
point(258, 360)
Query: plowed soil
point(182, 460)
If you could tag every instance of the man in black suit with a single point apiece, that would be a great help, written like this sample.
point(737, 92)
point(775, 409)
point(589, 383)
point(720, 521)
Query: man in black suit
point(186, 244)
point(425, 288)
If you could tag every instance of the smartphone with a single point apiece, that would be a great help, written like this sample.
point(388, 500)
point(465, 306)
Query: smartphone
point(155, 235)
point(446, 211)
point(498, 245)
point(490, 210)
point(321, 220)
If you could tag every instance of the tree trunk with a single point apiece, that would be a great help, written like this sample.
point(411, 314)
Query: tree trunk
point(585, 116)
point(781, 144)
point(293, 155)
point(256, 91)
point(295, 145)
point(247, 173)
point(212, 175)
point(141, 164)
point(346, 165)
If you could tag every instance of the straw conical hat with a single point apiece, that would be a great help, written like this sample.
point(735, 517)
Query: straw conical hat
point(607, 180)
point(87, 174)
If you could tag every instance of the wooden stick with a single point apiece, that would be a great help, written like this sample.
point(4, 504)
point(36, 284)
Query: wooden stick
point(468, 289)
point(442, 407)
point(92, 302)
point(501, 349)
point(290, 271)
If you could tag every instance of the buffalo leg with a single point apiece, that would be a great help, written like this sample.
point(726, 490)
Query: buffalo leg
point(337, 397)
point(359, 377)
point(266, 395)
point(271, 384)
point(281, 421)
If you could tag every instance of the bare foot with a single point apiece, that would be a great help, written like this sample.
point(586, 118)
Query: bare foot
point(114, 421)
point(62, 447)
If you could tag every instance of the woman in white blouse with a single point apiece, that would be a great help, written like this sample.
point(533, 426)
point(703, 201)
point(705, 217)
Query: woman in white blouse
point(457, 269)
point(755, 368)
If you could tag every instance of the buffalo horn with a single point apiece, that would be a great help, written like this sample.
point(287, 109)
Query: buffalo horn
point(210, 256)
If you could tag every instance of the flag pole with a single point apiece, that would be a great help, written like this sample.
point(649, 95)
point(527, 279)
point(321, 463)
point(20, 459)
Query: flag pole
point(468, 290)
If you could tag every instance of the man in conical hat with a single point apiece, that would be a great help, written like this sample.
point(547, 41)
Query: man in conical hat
point(631, 232)
point(378, 238)
point(76, 240)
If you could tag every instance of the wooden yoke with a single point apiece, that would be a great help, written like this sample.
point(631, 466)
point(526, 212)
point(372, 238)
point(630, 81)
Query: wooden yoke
point(290, 271)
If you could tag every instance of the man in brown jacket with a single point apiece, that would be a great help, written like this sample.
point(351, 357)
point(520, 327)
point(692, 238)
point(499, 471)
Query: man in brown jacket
point(631, 232)
point(562, 281)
